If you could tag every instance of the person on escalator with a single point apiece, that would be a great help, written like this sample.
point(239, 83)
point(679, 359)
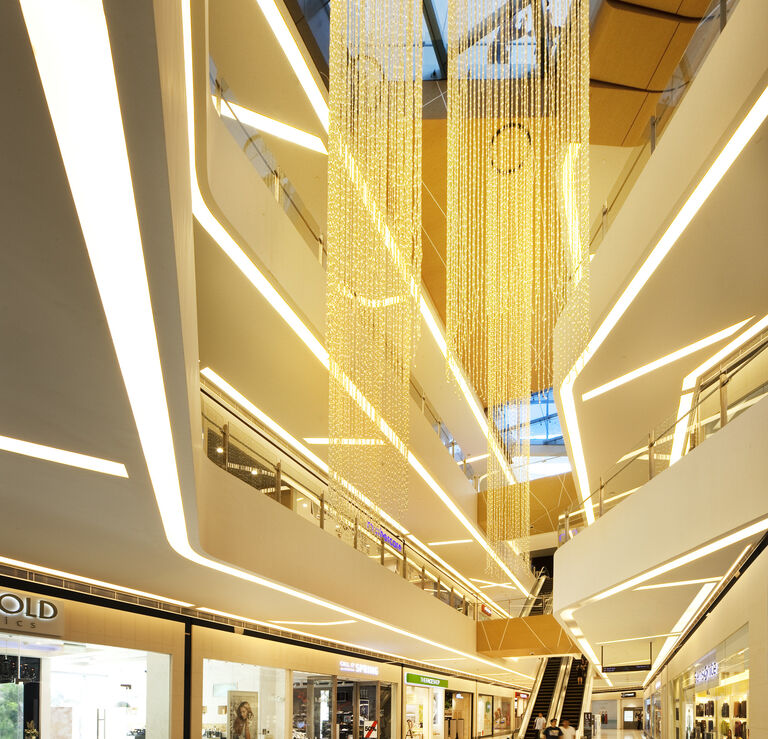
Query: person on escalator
point(540, 724)
point(553, 731)
point(568, 731)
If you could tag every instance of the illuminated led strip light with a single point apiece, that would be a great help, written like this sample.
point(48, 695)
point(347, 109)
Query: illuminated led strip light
point(663, 361)
point(567, 615)
point(295, 58)
point(62, 456)
point(740, 138)
point(96, 162)
point(358, 647)
point(265, 124)
point(90, 581)
point(696, 606)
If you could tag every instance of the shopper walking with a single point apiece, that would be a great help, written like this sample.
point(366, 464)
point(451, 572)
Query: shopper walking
point(540, 724)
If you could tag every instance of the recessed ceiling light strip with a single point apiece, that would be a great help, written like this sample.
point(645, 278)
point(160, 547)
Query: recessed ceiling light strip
point(90, 581)
point(664, 361)
point(95, 159)
point(265, 124)
point(61, 456)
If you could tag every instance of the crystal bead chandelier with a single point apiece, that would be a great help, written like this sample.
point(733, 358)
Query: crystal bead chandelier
point(374, 244)
point(518, 178)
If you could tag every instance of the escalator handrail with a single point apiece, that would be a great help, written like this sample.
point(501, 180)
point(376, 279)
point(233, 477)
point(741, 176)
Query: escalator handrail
point(532, 698)
point(562, 688)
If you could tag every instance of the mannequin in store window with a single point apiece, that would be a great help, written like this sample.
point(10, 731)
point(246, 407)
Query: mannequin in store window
point(243, 718)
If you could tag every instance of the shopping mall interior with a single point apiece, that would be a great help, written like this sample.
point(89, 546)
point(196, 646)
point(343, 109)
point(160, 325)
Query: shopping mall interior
point(384, 369)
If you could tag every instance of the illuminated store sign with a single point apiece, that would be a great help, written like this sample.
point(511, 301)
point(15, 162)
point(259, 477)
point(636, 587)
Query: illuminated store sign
point(432, 682)
point(707, 673)
point(21, 612)
point(379, 532)
point(629, 694)
point(358, 668)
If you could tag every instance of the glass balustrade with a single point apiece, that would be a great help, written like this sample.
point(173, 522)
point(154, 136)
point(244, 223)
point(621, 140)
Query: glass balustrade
point(237, 444)
point(720, 395)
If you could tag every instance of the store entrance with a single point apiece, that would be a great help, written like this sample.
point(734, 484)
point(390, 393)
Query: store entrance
point(357, 714)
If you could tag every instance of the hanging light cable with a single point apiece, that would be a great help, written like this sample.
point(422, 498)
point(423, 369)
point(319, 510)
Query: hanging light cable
point(518, 125)
point(374, 242)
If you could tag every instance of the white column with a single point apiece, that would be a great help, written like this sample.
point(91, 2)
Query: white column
point(158, 695)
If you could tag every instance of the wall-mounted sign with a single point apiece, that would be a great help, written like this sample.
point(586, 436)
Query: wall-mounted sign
point(627, 668)
point(486, 609)
point(26, 612)
point(379, 532)
point(629, 694)
point(358, 668)
point(707, 673)
point(432, 682)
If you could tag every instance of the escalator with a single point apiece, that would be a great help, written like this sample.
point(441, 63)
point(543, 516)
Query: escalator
point(574, 694)
point(544, 695)
point(543, 602)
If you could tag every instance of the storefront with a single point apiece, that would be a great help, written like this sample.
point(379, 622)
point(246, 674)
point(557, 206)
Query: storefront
point(74, 669)
point(261, 687)
point(96, 666)
point(447, 707)
point(712, 696)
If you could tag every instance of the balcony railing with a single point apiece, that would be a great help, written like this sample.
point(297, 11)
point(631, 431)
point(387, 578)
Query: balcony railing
point(721, 394)
point(236, 442)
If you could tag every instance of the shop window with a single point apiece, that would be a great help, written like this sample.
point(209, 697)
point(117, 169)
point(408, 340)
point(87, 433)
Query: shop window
point(715, 702)
point(243, 701)
point(60, 688)
point(502, 716)
point(484, 715)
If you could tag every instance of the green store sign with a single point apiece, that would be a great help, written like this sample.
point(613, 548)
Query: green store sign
point(432, 682)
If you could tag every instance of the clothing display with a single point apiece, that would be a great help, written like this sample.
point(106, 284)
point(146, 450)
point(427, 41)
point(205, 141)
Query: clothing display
point(725, 728)
point(725, 709)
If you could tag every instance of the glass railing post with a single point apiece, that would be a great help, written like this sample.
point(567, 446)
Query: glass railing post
point(381, 551)
point(723, 399)
point(650, 455)
point(601, 498)
point(278, 483)
point(322, 510)
point(354, 539)
point(225, 444)
point(423, 578)
point(405, 564)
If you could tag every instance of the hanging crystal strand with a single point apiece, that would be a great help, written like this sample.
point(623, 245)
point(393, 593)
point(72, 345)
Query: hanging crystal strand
point(374, 247)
